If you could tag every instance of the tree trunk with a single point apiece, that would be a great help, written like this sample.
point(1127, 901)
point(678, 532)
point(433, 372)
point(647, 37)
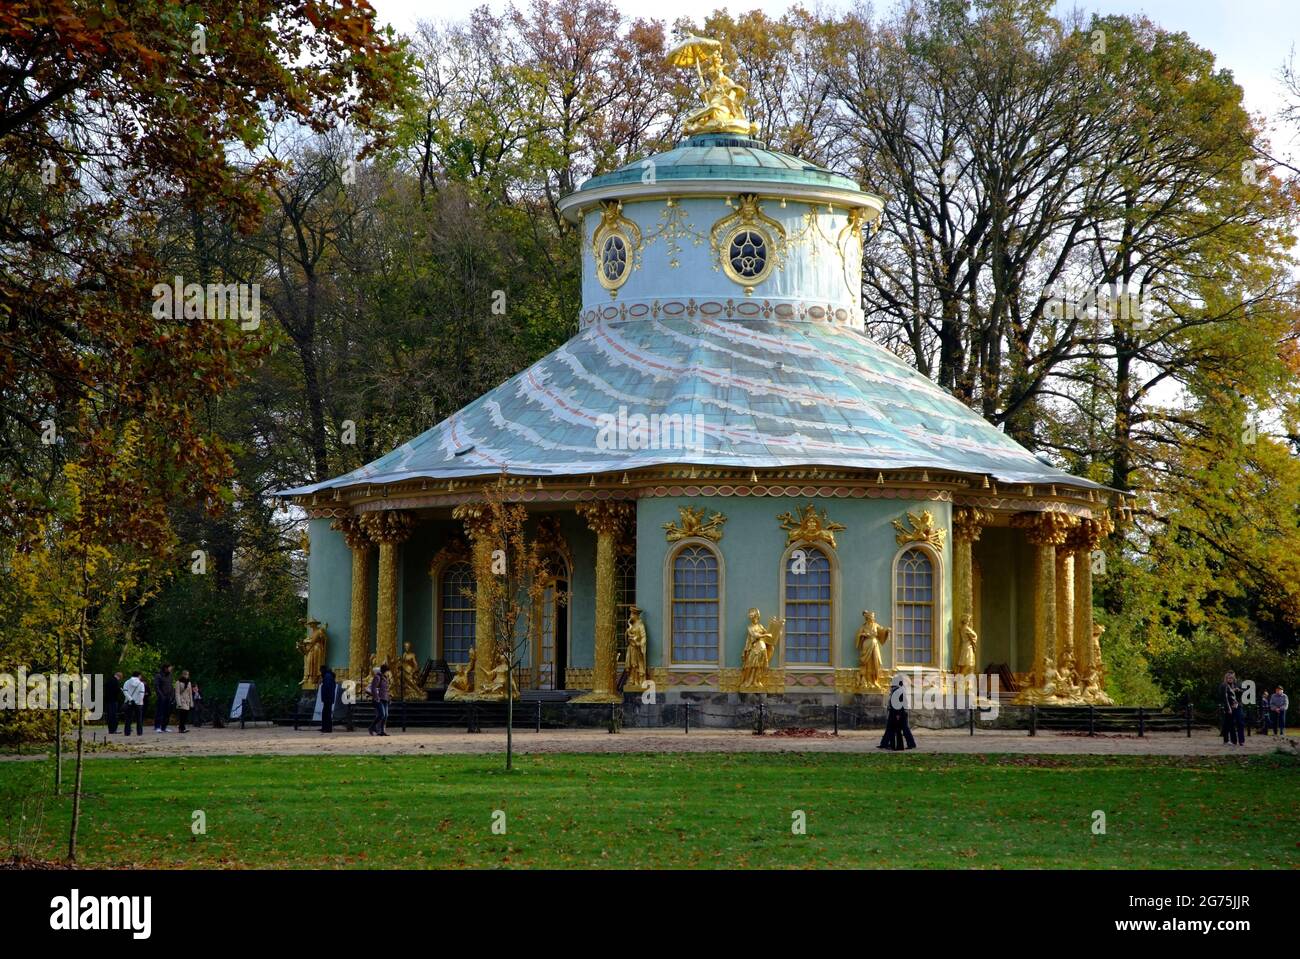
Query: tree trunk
point(81, 721)
point(315, 408)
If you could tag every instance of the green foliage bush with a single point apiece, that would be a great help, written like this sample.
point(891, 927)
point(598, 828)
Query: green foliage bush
point(1195, 667)
point(224, 637)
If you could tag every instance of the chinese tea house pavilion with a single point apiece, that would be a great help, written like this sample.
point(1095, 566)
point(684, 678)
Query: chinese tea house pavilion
point(721, 437)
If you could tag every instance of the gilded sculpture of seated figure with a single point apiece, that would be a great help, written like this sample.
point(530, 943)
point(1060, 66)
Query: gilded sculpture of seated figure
point(495, 686)
point(462, 684)
point(723, 110)
point(724, 99)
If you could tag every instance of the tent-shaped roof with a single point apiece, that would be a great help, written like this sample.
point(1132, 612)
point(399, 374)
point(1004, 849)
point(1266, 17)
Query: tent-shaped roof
point(760, 393)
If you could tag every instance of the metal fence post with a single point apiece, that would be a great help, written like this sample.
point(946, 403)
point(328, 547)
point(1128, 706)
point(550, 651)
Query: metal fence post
point(1189, 716)
point(970, 718)
point(759, 730)
point(1142, 721)
point(836, 712)
point(1092, 720)
point(539, 715)
point(1033, 720)
point(686, 718)
point(612, 727)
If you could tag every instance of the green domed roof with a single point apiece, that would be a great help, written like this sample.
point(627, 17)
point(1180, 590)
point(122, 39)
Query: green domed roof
point(719, 156)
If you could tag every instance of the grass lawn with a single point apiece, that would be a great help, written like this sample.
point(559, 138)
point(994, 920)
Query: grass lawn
point(678, 811)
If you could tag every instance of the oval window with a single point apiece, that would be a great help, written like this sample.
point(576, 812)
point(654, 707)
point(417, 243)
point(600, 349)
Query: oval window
point(748, 255)
point(613, 260)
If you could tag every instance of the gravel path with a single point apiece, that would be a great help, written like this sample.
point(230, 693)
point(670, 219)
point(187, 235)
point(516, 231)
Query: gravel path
point(283, 741)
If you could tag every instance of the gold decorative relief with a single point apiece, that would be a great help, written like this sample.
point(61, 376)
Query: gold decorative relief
point(812, 526)
point(851, 237)
point(922, 530)
point(694, 524)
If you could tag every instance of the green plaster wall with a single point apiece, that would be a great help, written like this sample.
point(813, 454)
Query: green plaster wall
point(329, 595)
point(752, 547)
point(995, 551)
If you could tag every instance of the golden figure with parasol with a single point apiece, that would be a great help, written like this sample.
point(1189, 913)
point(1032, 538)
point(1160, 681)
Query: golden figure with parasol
point(724, 99)
point(760, 645)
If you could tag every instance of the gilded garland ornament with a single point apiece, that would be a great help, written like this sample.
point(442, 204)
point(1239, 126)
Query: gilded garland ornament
point(694, 524)
point(923, 530)
point(849, 244)
point(811, 526)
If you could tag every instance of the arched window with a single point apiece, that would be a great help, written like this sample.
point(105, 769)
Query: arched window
point(456, 619)
point(624, 595)
point(808, 606)
point(915, 607)
point(695, 598)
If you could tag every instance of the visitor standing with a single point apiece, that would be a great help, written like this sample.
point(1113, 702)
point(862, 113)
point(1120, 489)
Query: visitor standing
point(897, 728)
point(162, 688)
point(197, 713)
point(1234, 720)
point(112, 700)
point(328, 691)
point(133, 690)
point(184, 693)
point(1278, 704)
point(379, 692)
point(372, 690)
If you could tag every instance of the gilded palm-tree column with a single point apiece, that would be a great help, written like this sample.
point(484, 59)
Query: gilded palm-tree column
point(390, 529)
point(1045, 532)
point(477, 519)
point(1083, 541)
point(606, 519)
point(967, 524)
point(1065, 652)
point(359, 630)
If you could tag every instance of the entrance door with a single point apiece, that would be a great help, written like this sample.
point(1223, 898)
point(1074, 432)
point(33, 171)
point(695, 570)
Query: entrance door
point(554, 646)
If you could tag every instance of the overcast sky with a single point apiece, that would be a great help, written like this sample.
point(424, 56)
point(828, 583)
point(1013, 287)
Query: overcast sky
point(1250, 37)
